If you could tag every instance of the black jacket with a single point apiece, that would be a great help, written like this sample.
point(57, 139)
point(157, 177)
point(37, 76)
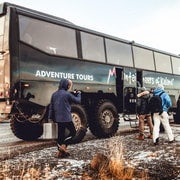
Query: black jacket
point(142, 105)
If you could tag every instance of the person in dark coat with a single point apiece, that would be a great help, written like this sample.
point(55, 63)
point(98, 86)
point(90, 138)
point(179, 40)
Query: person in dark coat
point(144, 113)
point(60, 112)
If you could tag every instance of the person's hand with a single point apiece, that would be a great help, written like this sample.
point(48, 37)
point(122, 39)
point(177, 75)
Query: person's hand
point(79, 92)
point(75, 91)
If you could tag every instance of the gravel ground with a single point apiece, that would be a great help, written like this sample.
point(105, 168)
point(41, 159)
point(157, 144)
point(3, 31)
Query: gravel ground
point(160, 162)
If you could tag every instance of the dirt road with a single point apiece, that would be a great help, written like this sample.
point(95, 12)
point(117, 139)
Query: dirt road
point(160, 162)
point(11, 146)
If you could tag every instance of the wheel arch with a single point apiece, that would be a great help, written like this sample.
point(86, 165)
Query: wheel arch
point(26, 117)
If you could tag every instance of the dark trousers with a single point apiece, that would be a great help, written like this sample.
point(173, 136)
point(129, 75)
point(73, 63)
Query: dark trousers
point(62, 137)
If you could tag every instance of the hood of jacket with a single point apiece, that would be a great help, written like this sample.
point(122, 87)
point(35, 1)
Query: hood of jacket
point(63, 84)
point(157, 91)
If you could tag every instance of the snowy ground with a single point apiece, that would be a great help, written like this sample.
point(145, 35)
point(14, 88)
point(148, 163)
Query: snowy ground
point(160, 162)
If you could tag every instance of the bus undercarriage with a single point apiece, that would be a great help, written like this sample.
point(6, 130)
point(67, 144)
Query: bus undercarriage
point(27, 118)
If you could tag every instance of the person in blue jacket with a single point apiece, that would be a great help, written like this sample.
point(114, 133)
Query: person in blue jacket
point(162, 117)
point(60, 112)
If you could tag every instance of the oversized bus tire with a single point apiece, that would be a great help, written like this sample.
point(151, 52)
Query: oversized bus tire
point(104, 123)
point(80, 121)
point(26, 130)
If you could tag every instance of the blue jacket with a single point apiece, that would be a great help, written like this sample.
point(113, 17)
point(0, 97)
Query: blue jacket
point(60, 106)
point(166, 100)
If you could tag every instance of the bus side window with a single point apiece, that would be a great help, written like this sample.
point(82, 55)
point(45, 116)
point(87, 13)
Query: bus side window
point(173, 100)
point(27, 38)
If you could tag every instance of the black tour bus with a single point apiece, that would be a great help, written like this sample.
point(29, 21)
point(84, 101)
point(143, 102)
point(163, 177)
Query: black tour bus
point(37, 50)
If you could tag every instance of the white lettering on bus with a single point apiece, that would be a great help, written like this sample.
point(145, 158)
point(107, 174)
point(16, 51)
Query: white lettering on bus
point(159, 80)
point(84, 77)
point(130, 77)
point(60, 75)
point(149, 80)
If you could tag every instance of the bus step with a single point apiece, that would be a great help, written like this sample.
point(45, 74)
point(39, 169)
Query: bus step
point(133, 123)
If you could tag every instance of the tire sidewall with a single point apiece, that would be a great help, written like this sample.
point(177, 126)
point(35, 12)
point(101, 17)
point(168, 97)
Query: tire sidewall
point(81, 132)
point(97, 126)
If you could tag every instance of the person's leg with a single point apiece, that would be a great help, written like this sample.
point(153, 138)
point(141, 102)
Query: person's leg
point(166, 125)
point(70, 126)
point(60, 140)
point(150, 124)
point(157, 122)
point(61, 134)
point(141, 127)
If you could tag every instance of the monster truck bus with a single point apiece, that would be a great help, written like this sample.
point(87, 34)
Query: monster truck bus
point(37, 50)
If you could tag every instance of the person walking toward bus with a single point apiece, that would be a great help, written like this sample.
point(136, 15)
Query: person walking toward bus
point(162, 117)
point(144, 113)
point(60, 112)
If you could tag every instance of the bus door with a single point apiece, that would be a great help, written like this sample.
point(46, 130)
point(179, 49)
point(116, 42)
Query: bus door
point(139, 78)
point(129, 91)
point(126, 94)
point(130, 100)
point(119, 87)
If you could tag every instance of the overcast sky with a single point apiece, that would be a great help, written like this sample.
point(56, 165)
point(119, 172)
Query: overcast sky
point(154, 23)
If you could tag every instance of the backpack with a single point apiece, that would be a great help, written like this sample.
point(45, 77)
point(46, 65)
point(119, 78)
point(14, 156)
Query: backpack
point(155, 104)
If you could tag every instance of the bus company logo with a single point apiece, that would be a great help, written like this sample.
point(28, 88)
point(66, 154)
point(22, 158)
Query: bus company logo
point(112, 72)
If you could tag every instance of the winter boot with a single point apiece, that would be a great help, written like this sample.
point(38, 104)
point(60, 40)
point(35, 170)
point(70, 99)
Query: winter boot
point(63, 150)
point(60, 154)
point(150, 136)
point(170, 142)
point(156, 142)
point(140, 137)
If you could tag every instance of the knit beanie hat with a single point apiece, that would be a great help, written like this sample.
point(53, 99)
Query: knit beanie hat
point(143, 89)
point(160, 86)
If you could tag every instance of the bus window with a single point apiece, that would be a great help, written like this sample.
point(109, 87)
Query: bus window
point(143, 58)
point(176, 65)
point(163, 63)
point(92, 47)
point(119, 53)
point(48, 37)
